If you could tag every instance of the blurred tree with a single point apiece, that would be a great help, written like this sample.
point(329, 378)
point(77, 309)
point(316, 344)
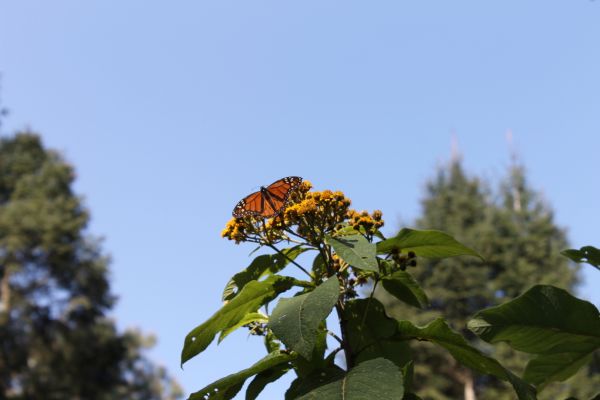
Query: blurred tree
point(515, 232)
point(56, 341)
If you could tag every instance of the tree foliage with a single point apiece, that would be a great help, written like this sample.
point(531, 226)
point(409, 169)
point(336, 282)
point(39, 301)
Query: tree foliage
point(56, 341)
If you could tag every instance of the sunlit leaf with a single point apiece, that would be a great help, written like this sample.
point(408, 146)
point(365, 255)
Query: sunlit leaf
point(425, 243)
point(374, 379)
point(356, 251)
point(548, 321)
point(226, 388)
point(248, 318)
point(295, 320)
point(266, 264)
point(250, 299)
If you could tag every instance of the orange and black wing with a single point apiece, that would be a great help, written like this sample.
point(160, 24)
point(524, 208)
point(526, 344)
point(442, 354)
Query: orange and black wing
point(251, 205)
point(278, 193)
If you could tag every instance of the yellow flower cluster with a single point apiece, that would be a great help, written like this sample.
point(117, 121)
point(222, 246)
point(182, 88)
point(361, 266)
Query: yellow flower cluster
point(317, 213)
point(309, 216)
point(235, 230)
point(365, 223)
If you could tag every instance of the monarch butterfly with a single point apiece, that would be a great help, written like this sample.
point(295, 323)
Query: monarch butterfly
point(268, 201)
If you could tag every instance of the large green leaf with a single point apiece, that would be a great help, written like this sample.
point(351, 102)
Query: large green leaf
point(295, 320)
point(305, 384)
point(373, 379)
point(249, 300)
point(548, 321)
point(402, 286)
point(266, 264)
point(370, 333)
point(587, 254)
point(262, 379)
point(439, 332)
point(428, 244)
point(547, 368)
point(304, 367)
point(539, 321)
point(248, 318)
point(355, 250)
point(226, 388)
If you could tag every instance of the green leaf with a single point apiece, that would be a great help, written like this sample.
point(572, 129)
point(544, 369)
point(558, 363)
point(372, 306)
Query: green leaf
point(544, 320)
point(261, 380)
point(428, 244)
point(304, 384)
point(370, 333)
point(319, 267)
point(266, 264)
point(587, 254)
point(539, 320)
point(373, 379)
point(295, 320)
point(408, 374)
point(411, 396)
point(547, 368)
point(439, 332)
point(355, 250)
point(250, 299)
point(304, 367)
point(397, 351)
point(402, 286)
point(250, 317)
point(227, 388)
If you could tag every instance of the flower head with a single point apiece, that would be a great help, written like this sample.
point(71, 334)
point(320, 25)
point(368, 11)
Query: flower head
point(307, 216)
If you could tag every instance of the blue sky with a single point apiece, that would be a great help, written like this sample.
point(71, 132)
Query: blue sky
point(173, 112)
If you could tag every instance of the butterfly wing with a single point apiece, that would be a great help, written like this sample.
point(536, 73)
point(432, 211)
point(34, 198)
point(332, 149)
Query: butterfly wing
point(271, 207)
point(278, 193)
point(251, 205)
point(281, 189)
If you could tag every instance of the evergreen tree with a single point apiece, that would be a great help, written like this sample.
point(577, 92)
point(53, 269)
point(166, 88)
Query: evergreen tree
point(56, 341)
point(516, 234)
point(523, 245)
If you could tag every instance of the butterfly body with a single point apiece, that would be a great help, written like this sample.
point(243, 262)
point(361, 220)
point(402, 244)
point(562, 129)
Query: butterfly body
point(269, 201)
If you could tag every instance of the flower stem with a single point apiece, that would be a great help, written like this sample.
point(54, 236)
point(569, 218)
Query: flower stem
point(290, 260)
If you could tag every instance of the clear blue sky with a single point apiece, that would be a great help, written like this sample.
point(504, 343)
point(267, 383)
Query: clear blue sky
point(172, 111)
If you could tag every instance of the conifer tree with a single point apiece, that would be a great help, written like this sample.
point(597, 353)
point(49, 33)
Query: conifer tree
point(56, 341)
point(515, 232)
